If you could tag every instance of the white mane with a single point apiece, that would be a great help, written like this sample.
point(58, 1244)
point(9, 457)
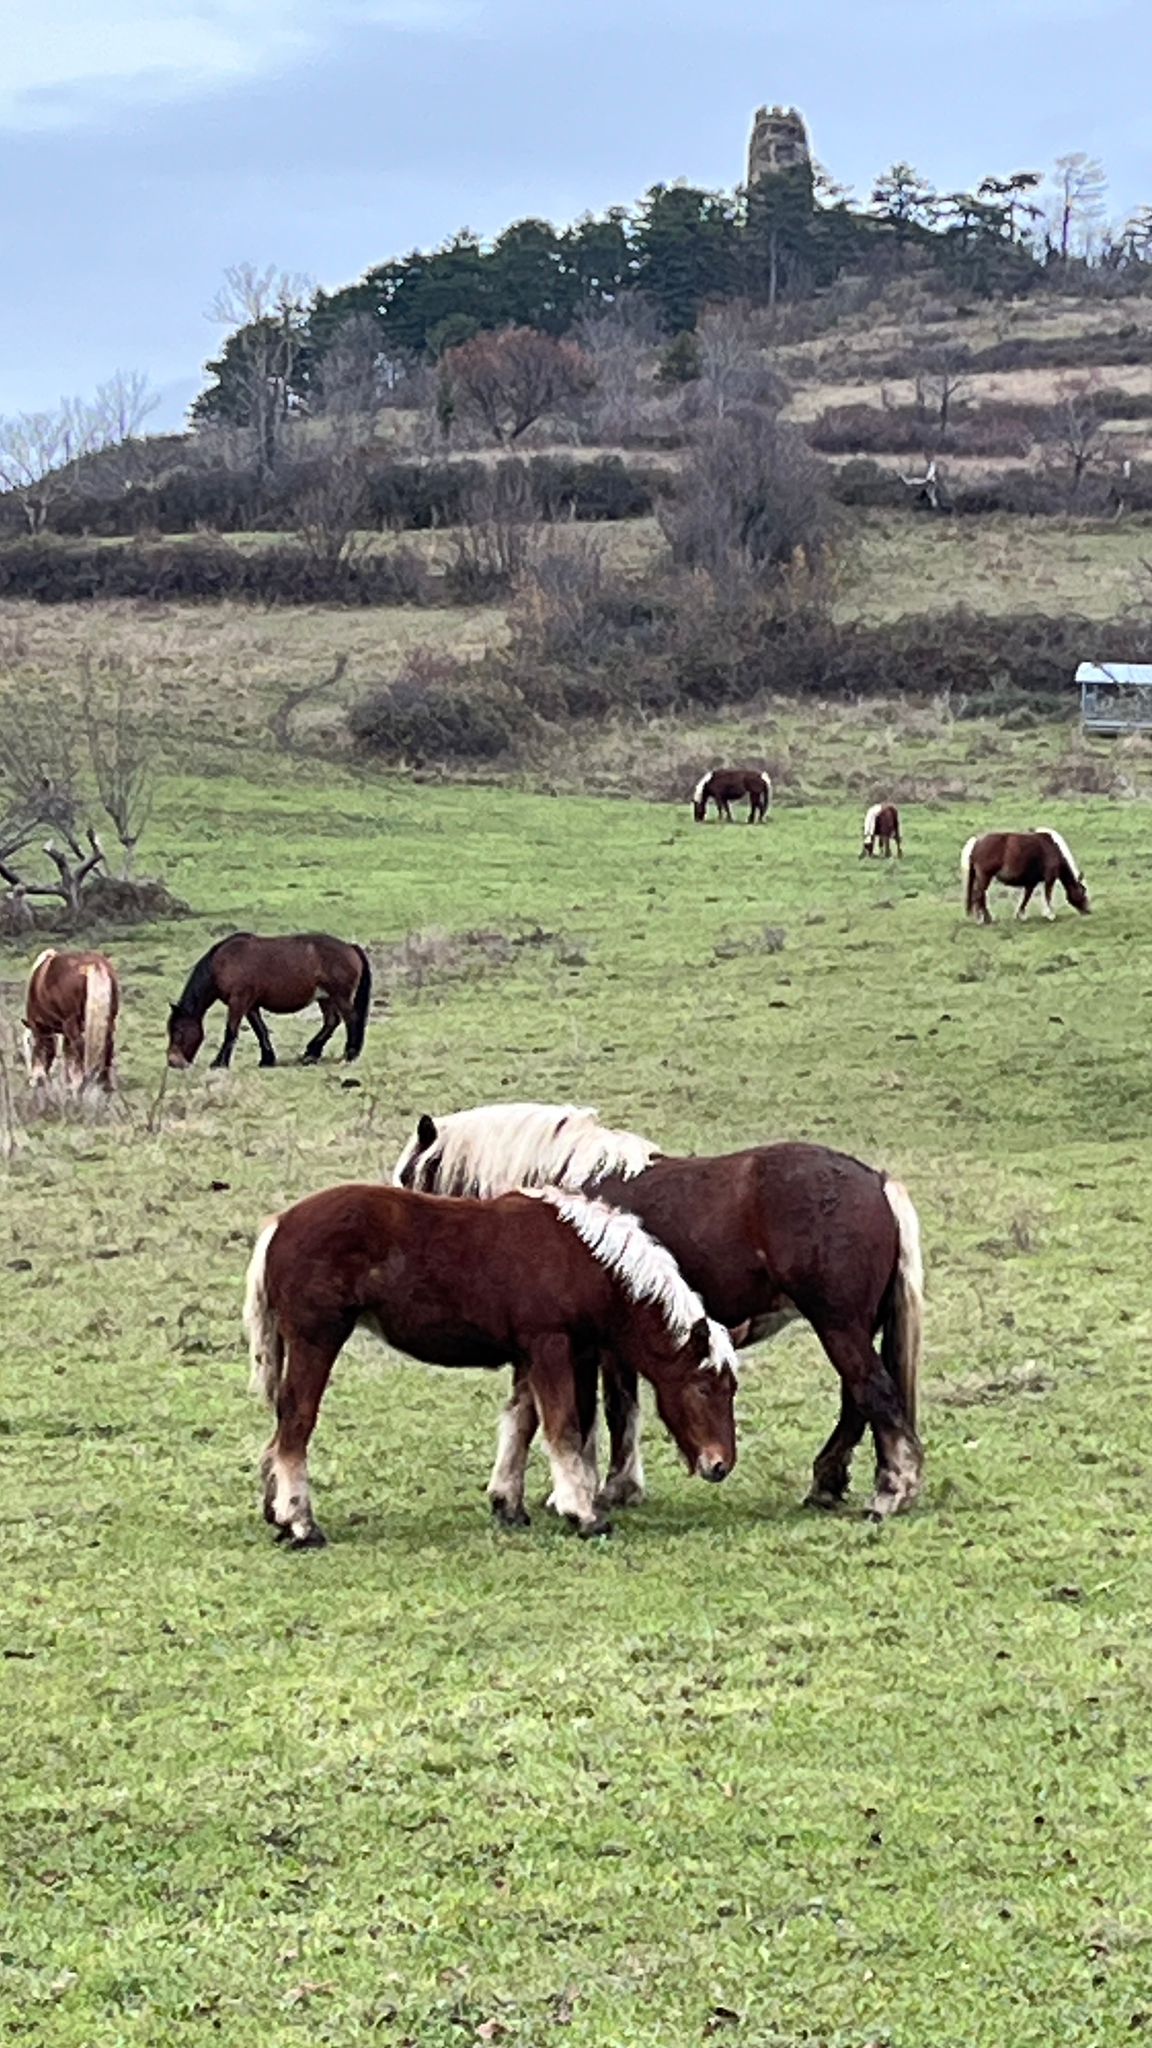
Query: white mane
point(646, 1271)
point(702, 785)
point(870, 817)
point(1063, 847)
point(504, 1145)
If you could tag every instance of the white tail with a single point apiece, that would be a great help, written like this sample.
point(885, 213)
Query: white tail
point(766, 779)
point(1062, 847)
point(902, 1344)
point(966, 863)
point(870, 817)
point(265, 1344)
point(99, 994)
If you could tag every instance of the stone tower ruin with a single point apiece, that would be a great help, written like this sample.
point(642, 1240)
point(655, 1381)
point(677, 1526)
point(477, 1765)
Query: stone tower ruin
point(779, 142)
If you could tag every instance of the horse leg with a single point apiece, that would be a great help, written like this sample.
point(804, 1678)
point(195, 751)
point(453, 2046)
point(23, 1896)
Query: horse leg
point(40, 1052)
point(330, 1018)
point(564, 1390)
point(287, 1496)
point(513, 1443)
point(231, 1033)
point(1025, 900)
point(263, 1039)
point(73, 1038)
point(1049, 913)
point(833, 1463)
point(624, 1486)
point(863, 1376)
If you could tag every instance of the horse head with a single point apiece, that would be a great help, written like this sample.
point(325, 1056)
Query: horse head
point(1077, 895)
point(695, 1400)
point(185, 1037)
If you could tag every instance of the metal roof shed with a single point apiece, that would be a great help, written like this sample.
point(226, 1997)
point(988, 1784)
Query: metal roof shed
point(1115, 696)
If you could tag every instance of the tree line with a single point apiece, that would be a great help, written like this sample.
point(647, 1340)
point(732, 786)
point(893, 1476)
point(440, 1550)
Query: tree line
point(682, 249)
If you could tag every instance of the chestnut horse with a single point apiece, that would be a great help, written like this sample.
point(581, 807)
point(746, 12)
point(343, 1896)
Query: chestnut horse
point(881, 827)
point(73, 997)
point(281, 975)
point(1021, 860)
point(764, 1236)
point(725, 786)
point(544, 1282)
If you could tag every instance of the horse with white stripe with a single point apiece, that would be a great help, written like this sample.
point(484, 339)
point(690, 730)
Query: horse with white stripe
point(546, 1282)
point(1021, 860)
point(881, 829)
point(725, 786)
point(764, 1235)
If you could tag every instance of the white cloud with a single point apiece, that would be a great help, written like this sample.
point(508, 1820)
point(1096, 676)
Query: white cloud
point(66, 61)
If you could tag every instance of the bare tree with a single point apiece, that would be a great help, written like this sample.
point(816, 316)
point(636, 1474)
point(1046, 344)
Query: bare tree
point(119, 754)
point(492, 542)
point(267, 311)
point(619, 343)
point(41, 452)
point(752, 498)
point(1076, 204)
point(940, 377)
point(332, 505)
point(1072, 439)
point(732, 367)
point(509, 380)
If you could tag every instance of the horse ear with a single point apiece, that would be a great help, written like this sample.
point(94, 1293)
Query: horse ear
point(700, 1338)
point(426, 1132)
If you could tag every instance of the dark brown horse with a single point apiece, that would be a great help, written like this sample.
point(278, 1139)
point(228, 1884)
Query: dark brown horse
point(73, 998)
point(764, 1235)
point(543, 1282)
point(725, 786)
point(881, 828)
point(281, 975)
point(1021, 860)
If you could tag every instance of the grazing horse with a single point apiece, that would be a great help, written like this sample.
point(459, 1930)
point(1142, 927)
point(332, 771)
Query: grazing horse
point(764, 1236)
point(1021, 860)
point(73, 997)
point(281, 975)
point(725, 786)
point(881, 826)
point(542, 1281)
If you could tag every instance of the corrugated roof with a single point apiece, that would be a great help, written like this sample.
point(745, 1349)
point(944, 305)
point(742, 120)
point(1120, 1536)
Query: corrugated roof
point(1115, 672)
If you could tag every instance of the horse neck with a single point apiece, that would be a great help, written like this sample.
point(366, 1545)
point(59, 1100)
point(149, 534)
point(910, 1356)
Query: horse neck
point(200, 988)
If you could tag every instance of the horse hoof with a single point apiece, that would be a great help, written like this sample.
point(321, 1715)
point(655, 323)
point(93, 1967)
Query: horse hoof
point(268, 1059)
point(620, 1493)
point(312, 1539)
point(823, 1497)
point(510, 1517)
point(598, 1526)
point(307, 1059)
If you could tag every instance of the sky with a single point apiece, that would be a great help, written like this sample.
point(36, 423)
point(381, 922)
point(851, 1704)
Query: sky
point(145, 145)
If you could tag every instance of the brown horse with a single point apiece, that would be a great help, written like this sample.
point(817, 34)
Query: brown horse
point(544, 1282)
point(74, 998)
point(881, 828)
point(1021, 860)
point(725, 786)
point(281, 975)
point(764, 1236)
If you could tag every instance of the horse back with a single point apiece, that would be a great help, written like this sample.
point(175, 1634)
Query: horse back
point(58, 988)
point(1017, 859)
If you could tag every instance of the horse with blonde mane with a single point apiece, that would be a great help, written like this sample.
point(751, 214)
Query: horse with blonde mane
point(725, 786)
point(764, 1236)
point(881, 829)
point(544, 1282)
point(1021, 860)
point(73, 1001)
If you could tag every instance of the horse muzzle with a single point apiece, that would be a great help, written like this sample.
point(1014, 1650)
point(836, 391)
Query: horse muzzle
point(710, 1466)
point(179, 1060)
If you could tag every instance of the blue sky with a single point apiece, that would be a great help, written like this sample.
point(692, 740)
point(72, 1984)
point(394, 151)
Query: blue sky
point(146, 144)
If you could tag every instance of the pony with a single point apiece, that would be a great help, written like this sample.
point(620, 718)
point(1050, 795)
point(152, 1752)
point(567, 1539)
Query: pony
point(543, 1281)
point(764, 1236)
point(73, 998)
point(725, 786)
point(282, 975)
point(881, 823)
point(1021, 860)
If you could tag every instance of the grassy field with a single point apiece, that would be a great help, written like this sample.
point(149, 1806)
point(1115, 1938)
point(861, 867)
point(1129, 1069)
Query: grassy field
point(741, 1772)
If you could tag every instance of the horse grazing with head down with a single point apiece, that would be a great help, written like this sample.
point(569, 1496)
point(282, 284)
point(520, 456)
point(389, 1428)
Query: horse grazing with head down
point(725, 786)
point(1021, 860)
point(543, 1282)
point(282, 975)
point(881, 828)
point(764, 1236)
point(73, 998)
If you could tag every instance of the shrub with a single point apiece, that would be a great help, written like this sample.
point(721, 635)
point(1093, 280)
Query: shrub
point(750, 497)
point(53, 571)
point(439, 712)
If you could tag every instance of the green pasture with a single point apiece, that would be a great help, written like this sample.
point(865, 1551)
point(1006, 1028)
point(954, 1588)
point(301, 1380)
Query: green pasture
point(742, 1772)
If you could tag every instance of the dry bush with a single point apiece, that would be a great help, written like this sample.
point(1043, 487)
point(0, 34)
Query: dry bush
point(751, 498)
point(439, 710)
point(425, 957)
point(490, 546)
